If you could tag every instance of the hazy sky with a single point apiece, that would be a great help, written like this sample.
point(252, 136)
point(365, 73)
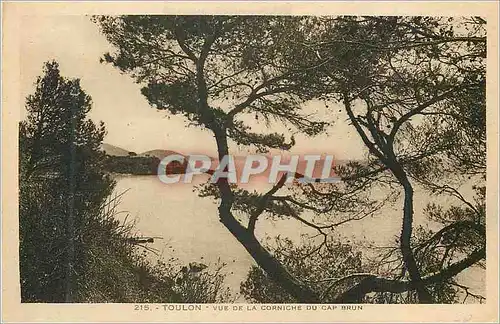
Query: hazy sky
point(77, 45)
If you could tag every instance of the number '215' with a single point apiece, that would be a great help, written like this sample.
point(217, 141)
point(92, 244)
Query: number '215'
point(141, 307)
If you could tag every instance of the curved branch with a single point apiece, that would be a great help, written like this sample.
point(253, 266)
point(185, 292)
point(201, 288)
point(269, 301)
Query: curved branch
point(261, 205)
point(377, 284)
point(419, 109)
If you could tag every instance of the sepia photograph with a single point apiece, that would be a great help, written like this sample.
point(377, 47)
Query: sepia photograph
point(267, 162)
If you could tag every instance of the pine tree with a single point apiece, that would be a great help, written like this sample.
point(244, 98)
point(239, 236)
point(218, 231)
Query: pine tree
point(61, 185)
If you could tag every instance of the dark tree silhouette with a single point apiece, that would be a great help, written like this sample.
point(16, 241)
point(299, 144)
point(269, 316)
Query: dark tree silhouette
point(407, 84)
point(197, 65)
point(414, 90)
point(73, 248)
point(62, 186)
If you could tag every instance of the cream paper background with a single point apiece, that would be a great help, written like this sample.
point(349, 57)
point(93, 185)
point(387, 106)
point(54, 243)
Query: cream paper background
point(13, 100)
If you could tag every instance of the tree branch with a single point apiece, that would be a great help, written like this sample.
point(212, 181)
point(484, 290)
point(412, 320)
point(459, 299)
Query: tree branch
point(261, 205)
point(418, 110)
point(377, 284)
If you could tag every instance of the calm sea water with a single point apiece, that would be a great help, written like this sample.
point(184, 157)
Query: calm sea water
point(190, 230)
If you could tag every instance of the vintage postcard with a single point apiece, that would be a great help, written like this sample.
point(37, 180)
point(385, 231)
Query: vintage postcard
point(263, 162)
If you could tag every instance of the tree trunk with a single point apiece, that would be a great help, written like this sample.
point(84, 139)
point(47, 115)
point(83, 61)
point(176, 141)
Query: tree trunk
point(262, 257)
point(405, 243)
point(273, 268)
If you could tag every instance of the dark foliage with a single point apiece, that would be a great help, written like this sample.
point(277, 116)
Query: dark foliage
point(138, 165)
point(72, 246)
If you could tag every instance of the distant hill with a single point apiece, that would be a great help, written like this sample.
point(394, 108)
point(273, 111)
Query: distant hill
point(160, 154)
point(113, 150)
point(122, 161)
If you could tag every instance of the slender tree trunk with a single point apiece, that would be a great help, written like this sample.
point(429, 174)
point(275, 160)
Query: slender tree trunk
point(274, 269)
point(385, 153)
point(405, 242)
point(262, 257)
